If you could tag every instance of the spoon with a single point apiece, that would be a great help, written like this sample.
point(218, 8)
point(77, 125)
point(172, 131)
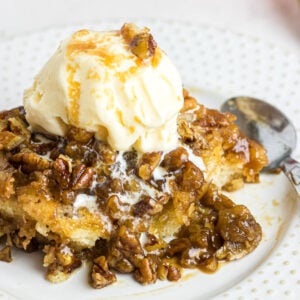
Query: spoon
point(267, 125)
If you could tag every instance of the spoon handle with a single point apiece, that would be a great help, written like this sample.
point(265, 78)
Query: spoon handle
point(291, 168)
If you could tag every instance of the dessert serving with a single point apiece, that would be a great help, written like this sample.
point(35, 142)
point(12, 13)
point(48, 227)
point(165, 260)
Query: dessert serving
point(112, 163)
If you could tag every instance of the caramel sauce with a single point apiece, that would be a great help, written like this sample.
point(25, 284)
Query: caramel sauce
point(156, 58)
point(84, 41)
point(94, 46)
point(79, 47)
point(74, 96)
point(242, 146)
point(110, 104)
point(120, 116)
point(137, 119)
point(81, 33)
point(92, 74)
point(97, 47)
point(131, 129)
point(123, 76)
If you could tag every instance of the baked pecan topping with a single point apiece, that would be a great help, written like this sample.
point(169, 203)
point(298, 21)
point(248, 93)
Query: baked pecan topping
point(78, 199)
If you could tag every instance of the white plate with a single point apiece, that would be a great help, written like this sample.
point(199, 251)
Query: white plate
point(215, 64)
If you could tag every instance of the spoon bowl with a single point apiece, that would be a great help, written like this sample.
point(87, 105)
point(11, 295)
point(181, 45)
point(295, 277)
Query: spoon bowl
point(267, 125)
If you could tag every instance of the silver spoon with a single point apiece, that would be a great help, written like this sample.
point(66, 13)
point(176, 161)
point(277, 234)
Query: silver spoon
point(267, 125)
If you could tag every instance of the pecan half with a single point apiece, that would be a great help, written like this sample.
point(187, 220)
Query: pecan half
point(101, 276)
point(30, 161)
point(82, 177)
point(141, 42)
point(62, 169)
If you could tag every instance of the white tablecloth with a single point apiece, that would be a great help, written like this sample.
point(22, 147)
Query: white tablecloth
point(275, 20)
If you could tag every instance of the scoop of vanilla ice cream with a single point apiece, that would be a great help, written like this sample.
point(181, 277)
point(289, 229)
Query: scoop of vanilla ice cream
point(95, 81)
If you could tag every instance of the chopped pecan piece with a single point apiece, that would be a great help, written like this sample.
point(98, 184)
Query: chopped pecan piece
point(189, 103)
point(147, 163)
point(147, 205)
point(101, 276)
point(60, 262)
point(175, 159)
point(154, 243)
point(141, 41)
point(124, 249)
point(30, 161)
point(9, 140)
point(116, 186)
point(146, 271)
point(236, 224)
point(117, 209)
point(215, 200)
point(107, 154)
point(15, 112)
point(6, 184)
point(209, 265)
point(79, 135)
point(178, 245)
point(192, 177)
point(24, 240)
point(168, 269)
point(185, 131)
point(68, 196)
point(19, 127)
point(131, 161)
point(5, 254)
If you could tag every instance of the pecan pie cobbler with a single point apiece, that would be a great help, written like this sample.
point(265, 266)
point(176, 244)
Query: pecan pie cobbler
point(77, 195)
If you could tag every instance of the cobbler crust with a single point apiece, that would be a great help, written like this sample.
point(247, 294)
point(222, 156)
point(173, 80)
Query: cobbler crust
point(138, 199)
